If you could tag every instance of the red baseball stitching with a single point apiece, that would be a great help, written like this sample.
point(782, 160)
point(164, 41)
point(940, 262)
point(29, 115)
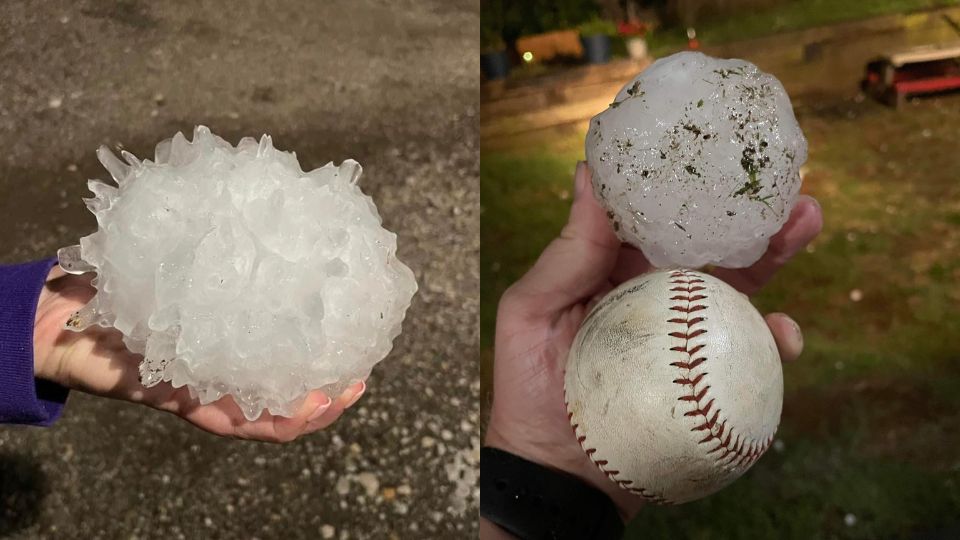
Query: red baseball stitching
point(601, 464)
point(734, 449)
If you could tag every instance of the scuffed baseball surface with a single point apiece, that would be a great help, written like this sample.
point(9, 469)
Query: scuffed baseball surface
point(674, 385)
point(697, 161)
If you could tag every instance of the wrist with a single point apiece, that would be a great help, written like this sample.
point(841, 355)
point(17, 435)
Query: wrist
point(42, 348)
point(531, 501)
point(575, 463)
point(50, 339)
point(496, 438)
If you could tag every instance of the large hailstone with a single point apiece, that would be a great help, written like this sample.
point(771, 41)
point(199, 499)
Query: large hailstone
point(697, 161)
point(233, 271)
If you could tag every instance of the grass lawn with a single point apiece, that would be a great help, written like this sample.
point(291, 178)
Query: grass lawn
point(871, 424)
point(783, 17)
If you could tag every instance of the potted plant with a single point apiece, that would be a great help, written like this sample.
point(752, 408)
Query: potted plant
point(494, 62)
point(633, 33)
point(595, 36)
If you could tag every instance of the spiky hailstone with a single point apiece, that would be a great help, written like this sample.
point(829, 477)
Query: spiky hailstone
point(233, 271)
point(697, 161)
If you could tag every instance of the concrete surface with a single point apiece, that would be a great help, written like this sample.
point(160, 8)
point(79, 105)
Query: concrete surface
point(391, 83)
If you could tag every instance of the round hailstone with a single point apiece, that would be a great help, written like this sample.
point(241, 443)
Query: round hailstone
point(234, 272)
point(697, 161)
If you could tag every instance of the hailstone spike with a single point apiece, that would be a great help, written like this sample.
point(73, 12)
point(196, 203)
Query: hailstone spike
point(131, 159)
point(350, 170)
point(162, 152)
point(179, 146)
point(72, 262)
point(83, 318)
point(207, 261)
point(99, 202)
point(101, 189)
point(266, 144)
point(117, 169)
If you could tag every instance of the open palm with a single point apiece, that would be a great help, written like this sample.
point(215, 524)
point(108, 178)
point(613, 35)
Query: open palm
point(96, 361)
point(538, 318)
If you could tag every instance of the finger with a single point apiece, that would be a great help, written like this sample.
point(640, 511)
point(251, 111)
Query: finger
point(225, 418)
point(630, 263)
point(576, 263)
point(353, 394)
point(787, 334)
point(266, 427)
point(804, 225)
point(345, 400)
point(314, 406)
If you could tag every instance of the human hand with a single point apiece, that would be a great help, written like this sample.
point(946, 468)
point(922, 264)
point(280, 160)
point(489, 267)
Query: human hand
point(538, 318)
point(96, 361)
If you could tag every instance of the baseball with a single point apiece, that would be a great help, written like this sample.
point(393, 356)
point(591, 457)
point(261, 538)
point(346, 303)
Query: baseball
point(674, 385)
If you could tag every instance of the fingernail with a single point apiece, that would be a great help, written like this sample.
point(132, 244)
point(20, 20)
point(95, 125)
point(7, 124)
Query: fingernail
point(815, 204)
point(356, 396)
point(798, 334)
point(321, 408)
point(579, 179)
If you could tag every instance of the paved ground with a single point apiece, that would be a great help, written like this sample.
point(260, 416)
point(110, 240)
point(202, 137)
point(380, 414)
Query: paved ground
point(392, 84)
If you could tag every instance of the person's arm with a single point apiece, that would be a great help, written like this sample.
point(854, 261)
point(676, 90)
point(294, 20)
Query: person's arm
point(25, 398)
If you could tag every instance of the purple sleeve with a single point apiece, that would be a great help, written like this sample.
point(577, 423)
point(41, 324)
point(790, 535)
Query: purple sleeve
point(23, 398)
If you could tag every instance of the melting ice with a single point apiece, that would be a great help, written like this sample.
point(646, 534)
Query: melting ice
point(233, 271)
point(697, 161)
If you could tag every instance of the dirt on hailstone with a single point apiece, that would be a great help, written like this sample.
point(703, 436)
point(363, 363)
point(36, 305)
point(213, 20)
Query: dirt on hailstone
point(390, 84)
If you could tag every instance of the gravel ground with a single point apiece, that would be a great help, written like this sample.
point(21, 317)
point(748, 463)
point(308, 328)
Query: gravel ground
point(392, 84)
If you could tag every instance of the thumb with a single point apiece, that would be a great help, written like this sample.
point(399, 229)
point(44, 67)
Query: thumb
point(787, 334)
point(577, 263)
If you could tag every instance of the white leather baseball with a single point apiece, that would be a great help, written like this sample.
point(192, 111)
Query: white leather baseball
point(674, 385)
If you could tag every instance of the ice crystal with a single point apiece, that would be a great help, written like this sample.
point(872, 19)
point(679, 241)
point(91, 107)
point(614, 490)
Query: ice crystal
point(233, 271)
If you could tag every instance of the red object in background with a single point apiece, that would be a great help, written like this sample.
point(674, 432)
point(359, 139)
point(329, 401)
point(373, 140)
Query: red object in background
point(923, 86)
point(924, 70)
point(629, 28)
point(692, 42)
